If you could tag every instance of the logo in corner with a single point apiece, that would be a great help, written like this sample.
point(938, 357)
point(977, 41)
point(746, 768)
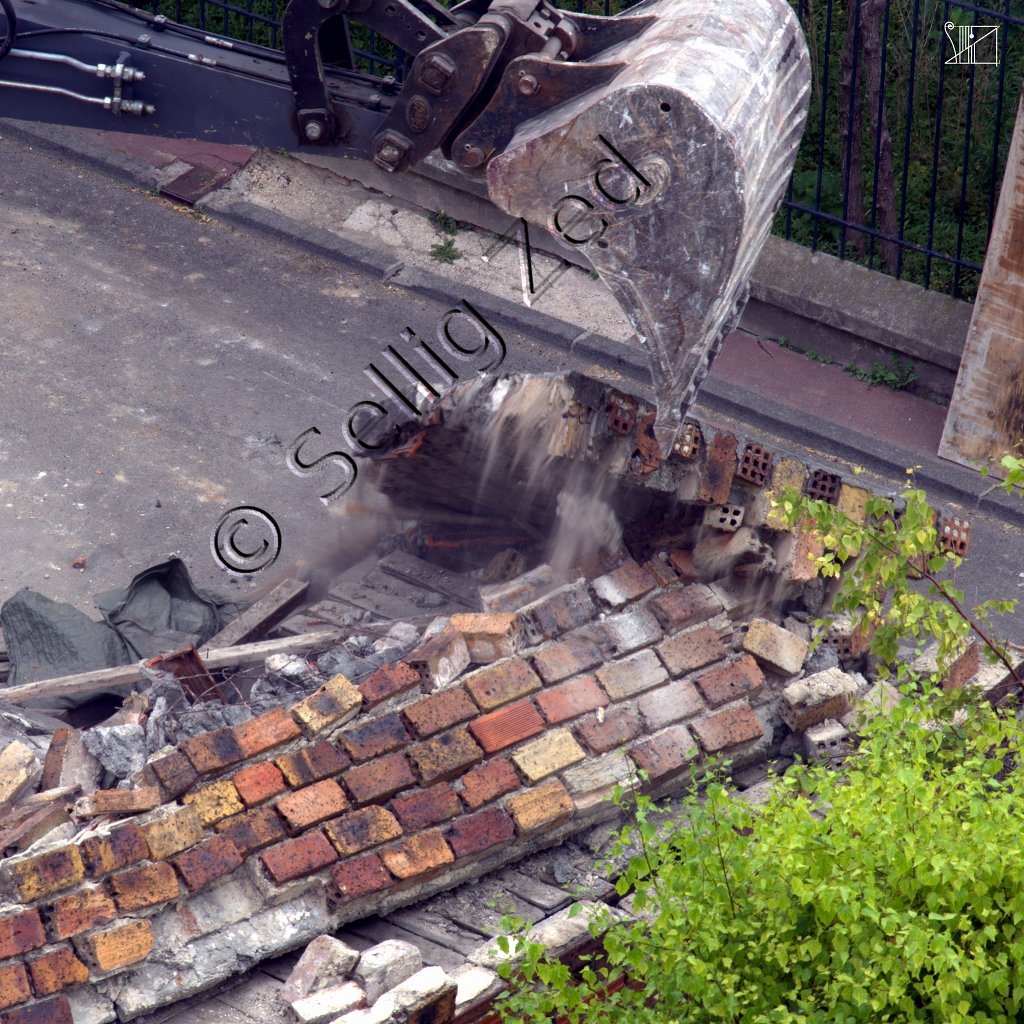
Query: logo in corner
point(973, 44)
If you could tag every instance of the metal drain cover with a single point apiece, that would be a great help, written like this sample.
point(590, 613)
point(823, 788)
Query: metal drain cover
point(195, 183)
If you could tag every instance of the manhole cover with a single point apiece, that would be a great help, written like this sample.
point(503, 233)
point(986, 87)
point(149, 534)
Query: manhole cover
point(195, 183)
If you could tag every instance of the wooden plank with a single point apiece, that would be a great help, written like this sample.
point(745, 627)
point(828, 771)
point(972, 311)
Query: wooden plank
point(434, 955)
point(986, 415)
point(415, 570)
point(264, 614)
point(540, 894)
point(85, 683)
point(388, 597)
point(431, 925)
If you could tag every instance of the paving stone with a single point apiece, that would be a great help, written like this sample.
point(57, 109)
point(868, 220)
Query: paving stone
point(542, 807)
point(727, 728)
point(478, 832)
point(570, 700)
point(440, 712)
point(72, 914)
point(264, 732)
point(776, 648)
point(44, 874)
point(718, 470)
point(121, 945)
point(310, 806)
point(565, 658)
point(215, 801)
point(619, 725)
point(255, 830)
point(332, 705)
point(731, 681)
point(488, 782)
point(506, 726)
point(490, 636)
point(259, 783)
point(446, 756)
point(20, 933)
point(146, 886)
point(119, 848)
point(359, 876)
point(417, 857)
point(629, 631)
point(827, 694)
point(630, 676)
point(175, 774)
point(211, 859)
point(375, 737)
point(675, 702)
point(562, 610)
point(502, 683)
point(212, 751)
point(388, 681)
point(685, 606)
point(626, 583)
point(665, 754)
point(14, 985)
point(324, 961)
point(370, 826)
point(386, 965)
point(691, 650)
point(551, 753)
point(425, 807)
point(380, 779)
point(56, 969)
point(312, 763)
point(53, 1011)
point(296, 858)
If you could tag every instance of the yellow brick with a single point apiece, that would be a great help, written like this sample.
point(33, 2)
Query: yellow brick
point(119, 946)
point(549, 754)
point(490, 636)
point(786, 473)
point(173, 832)
point(543, 807)
point(215, 802)
point(853, 501)
point(332, 705)
point(45, 873)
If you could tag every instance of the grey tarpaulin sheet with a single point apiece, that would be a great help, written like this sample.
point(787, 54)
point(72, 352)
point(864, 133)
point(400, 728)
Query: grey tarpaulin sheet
point(160, 610)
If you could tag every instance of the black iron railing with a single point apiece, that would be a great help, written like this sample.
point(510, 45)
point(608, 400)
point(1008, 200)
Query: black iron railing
point(907, 136)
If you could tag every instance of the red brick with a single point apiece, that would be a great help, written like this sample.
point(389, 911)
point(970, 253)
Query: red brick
point(671, 703)
point(666, 754)
point(377, 781)
point(685, 606)
point(358, 831)
point(321, 760)
point(45, 873)
point(479, 832)
point(57, 969)
point(681, 561)
point(506, 726)
point(119, 801)
point(360, 876)
point(440, 712)
point(312, 805)
point(576, 697)
point(20, 933)
point(718, 470)
point(174, 773)
point(146, 886)
point(388, 681)
point(567, 658)
point(620, 725)
point(14, 986)
point(213, 751)
point(265, 732)
point(259, 782)
point(80, 911)
point(727, 728)
point(253, 831)
point(732, 681)
point(418, 857)
point(212, 859)
point(622, 585)
point(559, 612)
point(297, 858)
point(375, 737)
point(446, 756)
point(687, 652)
point(501, 683)
point(425, 807)
point(118, 946)
point(488, 782)
point(53, 1011)
point(121, 847)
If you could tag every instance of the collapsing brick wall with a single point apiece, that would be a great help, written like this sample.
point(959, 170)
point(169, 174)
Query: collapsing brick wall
point(503, 732)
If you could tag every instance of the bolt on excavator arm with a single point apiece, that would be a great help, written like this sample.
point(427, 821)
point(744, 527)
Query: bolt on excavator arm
point(659, 141)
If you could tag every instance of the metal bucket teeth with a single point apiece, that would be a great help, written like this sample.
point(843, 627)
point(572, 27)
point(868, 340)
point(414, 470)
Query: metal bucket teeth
point(668, 174)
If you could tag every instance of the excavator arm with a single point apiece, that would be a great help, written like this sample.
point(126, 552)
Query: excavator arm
point(659, 142)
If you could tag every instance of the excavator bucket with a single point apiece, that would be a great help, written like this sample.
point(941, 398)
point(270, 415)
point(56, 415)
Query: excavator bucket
point(668, 174)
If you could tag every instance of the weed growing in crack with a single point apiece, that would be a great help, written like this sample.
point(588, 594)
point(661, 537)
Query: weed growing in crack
point(445, 252)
